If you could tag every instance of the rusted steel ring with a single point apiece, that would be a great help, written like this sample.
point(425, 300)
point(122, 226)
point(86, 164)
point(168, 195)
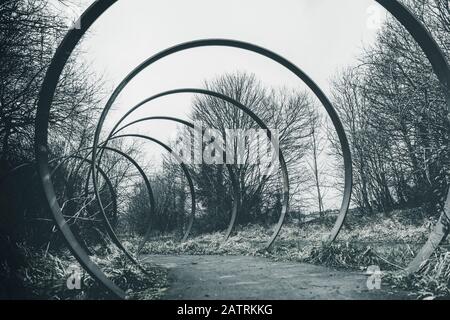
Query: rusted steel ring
point(46, 96)
point(285, 176)
point(104, 176)
point(291, 67)
point(67, 46)
point(236, 199)
point(186, 173)
point(109, 229)
point(442, 70)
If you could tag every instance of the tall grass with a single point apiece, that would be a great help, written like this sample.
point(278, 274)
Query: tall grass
point(45, 276)
point(388, 241)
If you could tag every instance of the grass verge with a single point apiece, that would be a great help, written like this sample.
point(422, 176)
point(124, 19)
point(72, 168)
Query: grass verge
point(387, 241)
point(45, 276)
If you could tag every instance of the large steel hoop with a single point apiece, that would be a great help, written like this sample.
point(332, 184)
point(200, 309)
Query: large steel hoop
point(104, 176)
point(442, 70)
point(66, 48)
point(288, 65)
point(109, 229)
point(188, 178)
point(234, 183)
point(282, 163)
point(46, 96)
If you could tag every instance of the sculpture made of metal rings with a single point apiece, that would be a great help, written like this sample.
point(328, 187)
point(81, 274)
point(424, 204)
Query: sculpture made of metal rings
point(86, 188)
point(285, 175)
point(69, 43)
point(442, 70)
point(288, 65)
point(107, 181)
point(234, 182)
point(109, 229)
point(102, 172)
point(61, 161)
point(186, 173)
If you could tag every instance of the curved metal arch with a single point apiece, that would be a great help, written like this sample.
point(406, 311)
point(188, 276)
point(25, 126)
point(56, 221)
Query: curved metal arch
point(46, 95)
point(86, 188)
point(152, 202)
point(441, 68)
point(63, 159)
point(186, 173)
point(102, 173)
point(50, 82)
point(109, 229)
point(285, 63)
point(285, 175)
point(234, 182)
point(424, 39)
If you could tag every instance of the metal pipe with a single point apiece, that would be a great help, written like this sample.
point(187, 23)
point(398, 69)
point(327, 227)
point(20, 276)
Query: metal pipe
point(110, 231)
point(287, 64)
point(441, 68)
point(104, 176)
point(285, 176)
point(234, 183)
point(70, 41)
point(186, 173)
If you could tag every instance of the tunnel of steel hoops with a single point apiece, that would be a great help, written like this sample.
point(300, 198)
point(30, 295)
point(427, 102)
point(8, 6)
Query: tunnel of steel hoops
point(93, 156)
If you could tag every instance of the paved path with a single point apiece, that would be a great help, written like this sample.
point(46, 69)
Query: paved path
point(240, 277)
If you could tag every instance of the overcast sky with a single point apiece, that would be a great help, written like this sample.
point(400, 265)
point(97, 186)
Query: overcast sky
point(319, 36)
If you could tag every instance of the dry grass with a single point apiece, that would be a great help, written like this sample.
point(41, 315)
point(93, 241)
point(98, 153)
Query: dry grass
point(46, 276)
point(389, 241)
point(431, 282)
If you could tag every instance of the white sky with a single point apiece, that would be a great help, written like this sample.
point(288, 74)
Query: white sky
point(319, 36)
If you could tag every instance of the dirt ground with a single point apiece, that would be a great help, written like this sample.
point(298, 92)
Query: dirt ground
point(246, 277)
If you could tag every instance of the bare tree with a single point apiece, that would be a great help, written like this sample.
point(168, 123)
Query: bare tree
point(395, 113)
point(282, 110)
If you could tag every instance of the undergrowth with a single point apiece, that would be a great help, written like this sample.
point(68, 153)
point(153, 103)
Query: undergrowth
point(431, 282)
point(45, 276)
point(387, 241)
